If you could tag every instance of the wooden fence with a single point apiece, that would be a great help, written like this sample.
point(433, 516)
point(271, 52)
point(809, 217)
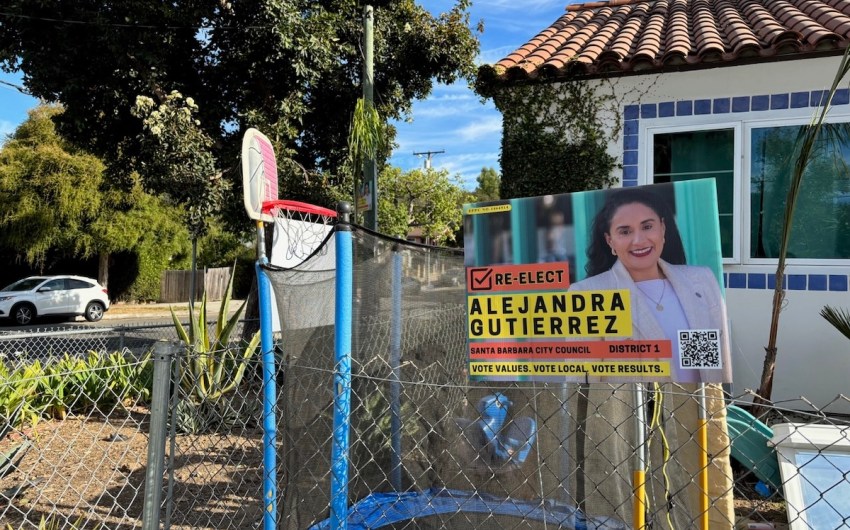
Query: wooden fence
point(176, 286)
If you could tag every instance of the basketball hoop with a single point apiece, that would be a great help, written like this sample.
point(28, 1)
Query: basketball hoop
point(299, 231)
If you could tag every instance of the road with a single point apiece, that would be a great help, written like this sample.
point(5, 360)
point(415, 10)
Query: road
point(120, 314)
point(125, 326)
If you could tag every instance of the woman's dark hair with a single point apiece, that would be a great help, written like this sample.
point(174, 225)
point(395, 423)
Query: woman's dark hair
point(599, 257)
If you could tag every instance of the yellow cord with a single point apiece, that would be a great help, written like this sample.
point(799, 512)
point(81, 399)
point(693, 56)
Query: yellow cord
point(658, 397)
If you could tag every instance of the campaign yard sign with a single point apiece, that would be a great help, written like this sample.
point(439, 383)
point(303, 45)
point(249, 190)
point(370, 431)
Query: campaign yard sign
point(620, 285)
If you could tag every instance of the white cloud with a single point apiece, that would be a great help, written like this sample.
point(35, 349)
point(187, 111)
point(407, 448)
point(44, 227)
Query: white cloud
point(527, 6)
point(443, 111)
point(468, 166)
point(494, 55)
point(447, 105)
point(491, 125)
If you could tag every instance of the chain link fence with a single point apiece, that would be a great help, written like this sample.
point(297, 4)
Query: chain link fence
point(24, 346)
point(78, 440)
point(77, 415)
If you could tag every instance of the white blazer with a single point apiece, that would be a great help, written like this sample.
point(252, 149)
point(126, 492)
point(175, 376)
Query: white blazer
point(698, 292)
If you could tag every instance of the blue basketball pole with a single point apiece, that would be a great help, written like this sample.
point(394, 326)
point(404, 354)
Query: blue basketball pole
point(342, 369)
point(269, 388)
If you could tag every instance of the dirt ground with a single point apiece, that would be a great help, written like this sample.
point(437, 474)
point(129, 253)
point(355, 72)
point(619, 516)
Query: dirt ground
point(94, 470)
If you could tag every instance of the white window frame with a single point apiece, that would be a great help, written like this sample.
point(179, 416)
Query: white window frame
point(652, 127)
point(746, 220)
point(791, 438)
point(742, 124)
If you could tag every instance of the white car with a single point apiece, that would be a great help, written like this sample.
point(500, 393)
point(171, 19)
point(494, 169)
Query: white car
point(36, 296)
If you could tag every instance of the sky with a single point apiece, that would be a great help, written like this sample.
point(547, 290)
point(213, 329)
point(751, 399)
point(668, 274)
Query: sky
point(453, 119)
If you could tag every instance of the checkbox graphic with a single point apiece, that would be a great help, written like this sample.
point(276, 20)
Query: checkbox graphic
point(481, 279)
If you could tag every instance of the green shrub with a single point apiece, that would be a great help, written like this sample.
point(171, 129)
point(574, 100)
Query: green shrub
point(71, 385)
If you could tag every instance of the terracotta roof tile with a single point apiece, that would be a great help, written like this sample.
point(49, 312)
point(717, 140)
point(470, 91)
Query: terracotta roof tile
point(601, 37)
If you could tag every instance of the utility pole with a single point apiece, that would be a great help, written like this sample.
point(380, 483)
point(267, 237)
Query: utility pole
point(428, 156)
point(370, 172)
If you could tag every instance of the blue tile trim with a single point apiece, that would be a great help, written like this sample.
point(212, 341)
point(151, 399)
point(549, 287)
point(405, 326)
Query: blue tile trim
point(779, 101)
point(796, 282)
point(631, 127)
point(721, 106)
point(837, 282)
point(630, 158)
point(630, 173)
point(817, 282)
point(771, 281)
point(760, 103)
point(630, 142)
point(684, 108)
point(817, 97)
point(702, 106)
point(666, 109)
point(737, 280)
point(631, 112)
point(741, 104)
point(756, 281)
point(841, 97)
point(793, 282)
point(799, 100)
point(647, 110)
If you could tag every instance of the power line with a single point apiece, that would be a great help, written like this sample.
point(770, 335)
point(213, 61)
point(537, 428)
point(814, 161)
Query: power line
point(428, 156)
point(19, 88)
point(126, 25)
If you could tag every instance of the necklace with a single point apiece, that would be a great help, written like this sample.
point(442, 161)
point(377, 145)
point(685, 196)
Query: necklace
point(657, 303)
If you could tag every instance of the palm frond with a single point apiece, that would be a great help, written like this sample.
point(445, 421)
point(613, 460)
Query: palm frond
point(838, 317)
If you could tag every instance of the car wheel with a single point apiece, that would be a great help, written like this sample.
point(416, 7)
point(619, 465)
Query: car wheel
point(94, 311)
point(23, 314)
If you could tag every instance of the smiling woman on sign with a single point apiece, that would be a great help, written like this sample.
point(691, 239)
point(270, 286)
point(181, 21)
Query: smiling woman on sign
point(635, 245)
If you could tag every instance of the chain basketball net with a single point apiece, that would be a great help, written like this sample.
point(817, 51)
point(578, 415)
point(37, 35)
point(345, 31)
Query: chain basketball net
point(299, 230)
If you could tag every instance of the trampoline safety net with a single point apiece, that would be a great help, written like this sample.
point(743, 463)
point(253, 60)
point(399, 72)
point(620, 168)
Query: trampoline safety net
point(430, 449)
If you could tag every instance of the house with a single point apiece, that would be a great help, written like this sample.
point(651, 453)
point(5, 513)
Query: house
point(720, 88)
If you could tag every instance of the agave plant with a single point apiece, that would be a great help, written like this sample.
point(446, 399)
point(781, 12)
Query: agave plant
point(214, 366)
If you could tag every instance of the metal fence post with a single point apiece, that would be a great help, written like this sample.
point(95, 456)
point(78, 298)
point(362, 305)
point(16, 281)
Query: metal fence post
point(163, 354)
point(342, 371)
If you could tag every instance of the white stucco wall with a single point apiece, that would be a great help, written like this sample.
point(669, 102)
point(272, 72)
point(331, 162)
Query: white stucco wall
point(813, 359)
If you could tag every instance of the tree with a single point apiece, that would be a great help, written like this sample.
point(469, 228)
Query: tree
point(489, 181)
point(54, 200)
point(804, 153)
point(426, 199)
point(288, 67)
point(180, 160)
point(47, 193)
point(554, 139)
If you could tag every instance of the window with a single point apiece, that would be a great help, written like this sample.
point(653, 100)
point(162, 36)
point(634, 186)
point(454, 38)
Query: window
point(752, 162)
point(679, 156)
point(821, 224)
point(78, 284)
point(53, 285)
point(814, 461)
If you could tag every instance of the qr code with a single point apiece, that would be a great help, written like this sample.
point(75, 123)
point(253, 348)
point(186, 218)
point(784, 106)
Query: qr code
point(699, 348)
